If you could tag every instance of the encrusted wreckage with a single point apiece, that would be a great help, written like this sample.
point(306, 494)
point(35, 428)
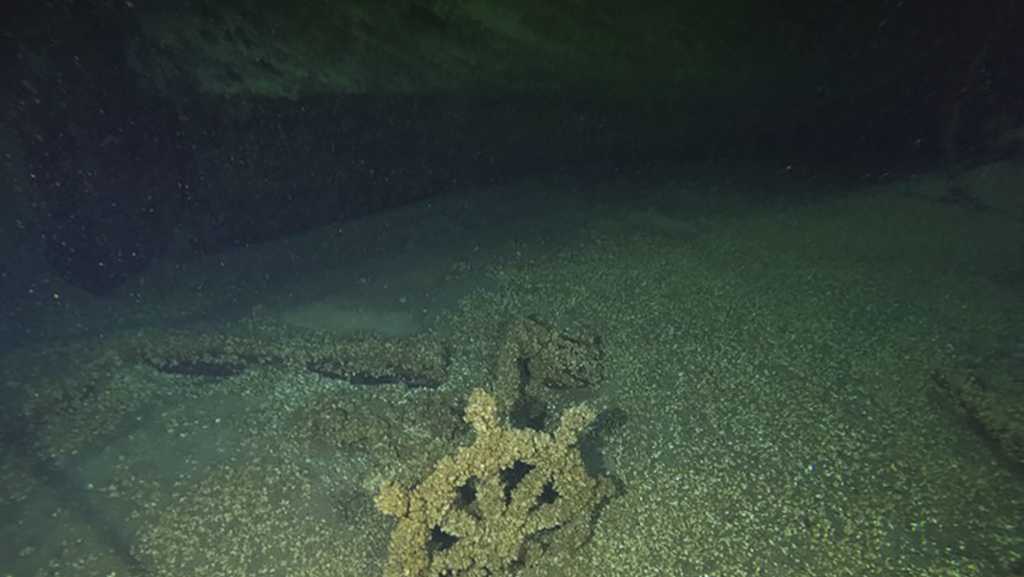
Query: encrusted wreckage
point(492, 504)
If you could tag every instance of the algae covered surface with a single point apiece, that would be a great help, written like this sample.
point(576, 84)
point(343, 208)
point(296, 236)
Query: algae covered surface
point(813, 388)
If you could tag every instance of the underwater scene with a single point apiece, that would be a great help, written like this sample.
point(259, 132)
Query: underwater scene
point(702, 382)
point(479, 288)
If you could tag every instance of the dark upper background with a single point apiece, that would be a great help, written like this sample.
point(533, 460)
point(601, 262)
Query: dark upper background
point(131, 125)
